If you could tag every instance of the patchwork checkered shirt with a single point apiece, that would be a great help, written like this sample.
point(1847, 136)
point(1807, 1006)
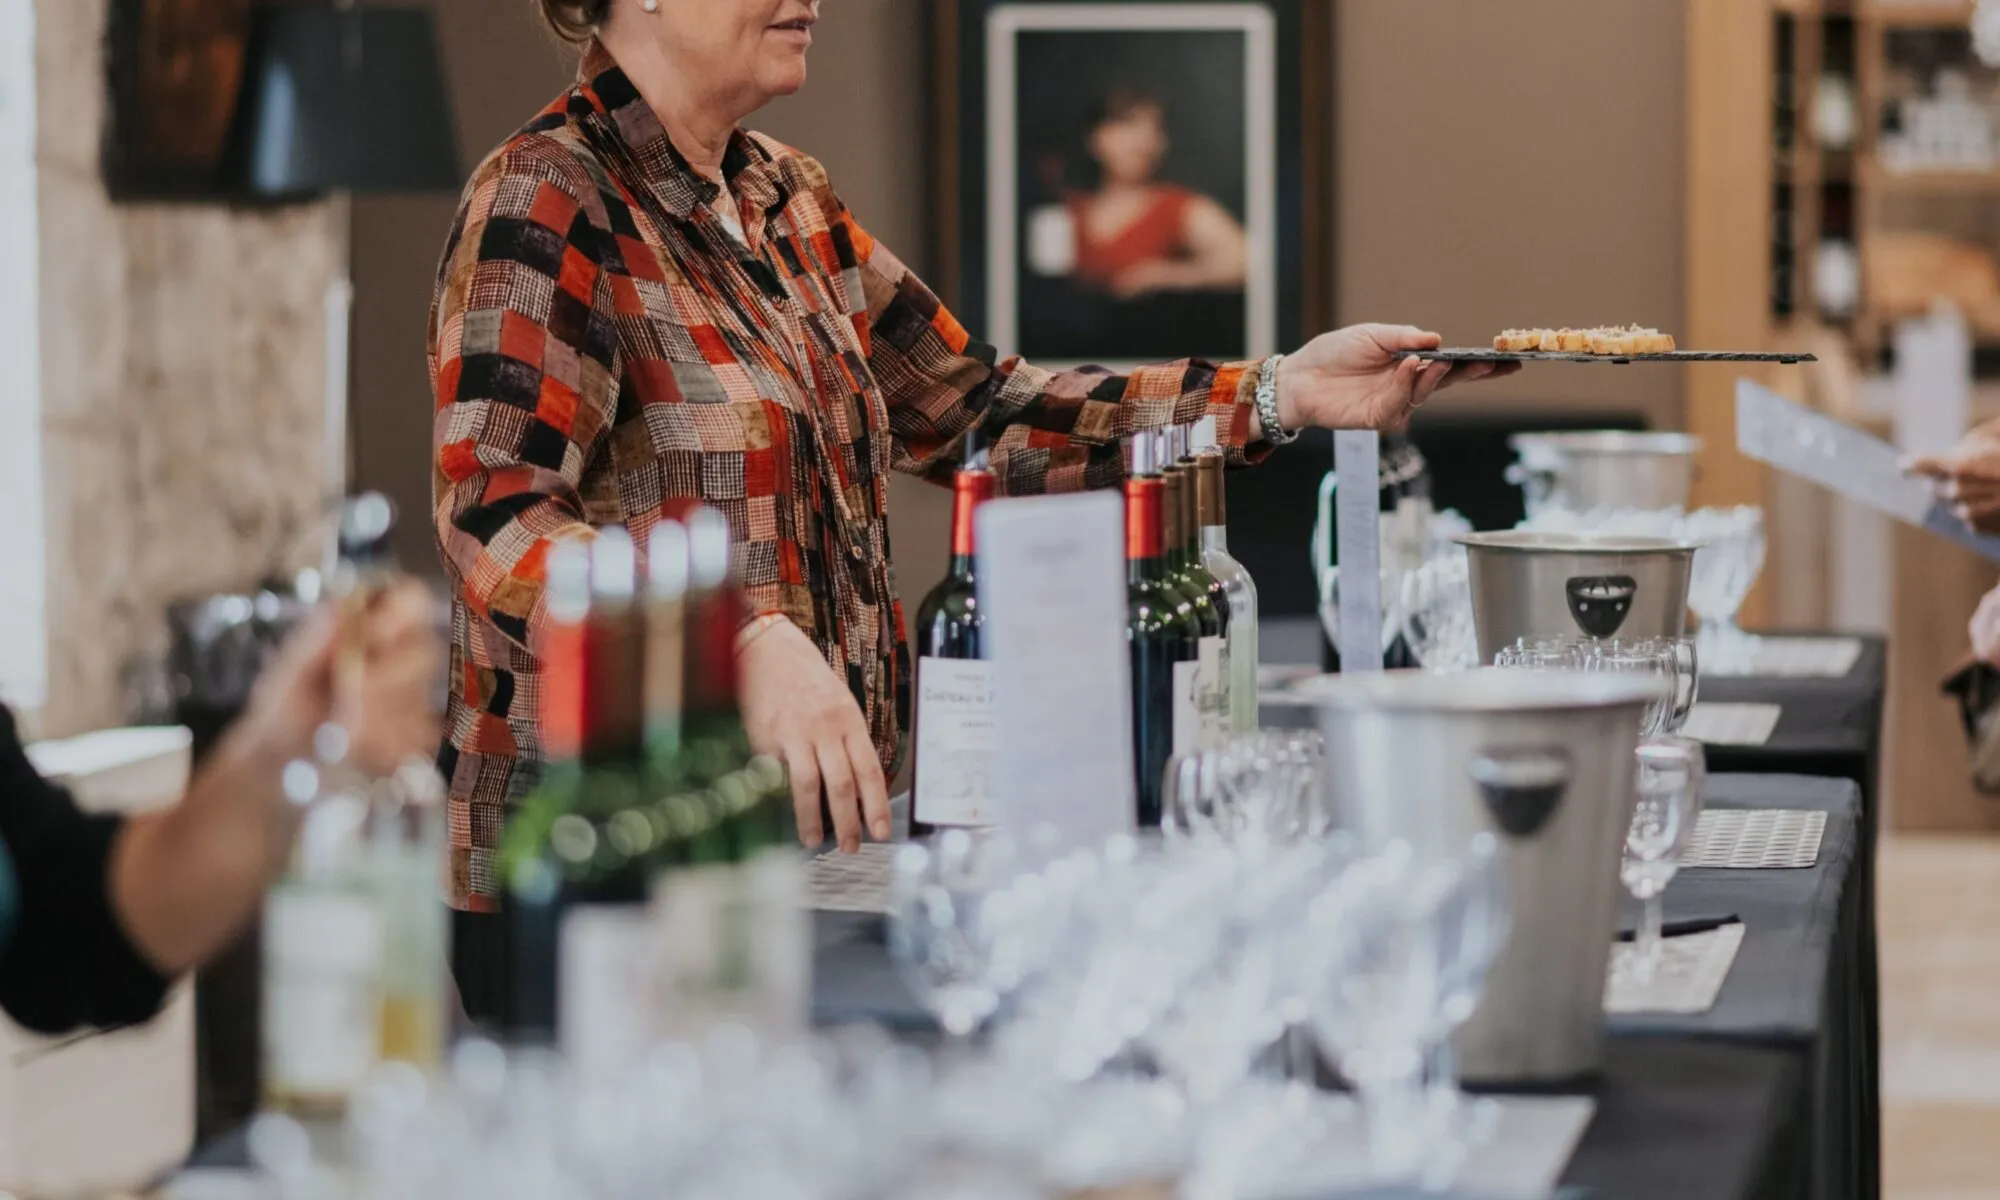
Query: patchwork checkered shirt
point(602, 349)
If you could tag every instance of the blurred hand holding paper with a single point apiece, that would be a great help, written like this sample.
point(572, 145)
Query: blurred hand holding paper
point(1868, 470)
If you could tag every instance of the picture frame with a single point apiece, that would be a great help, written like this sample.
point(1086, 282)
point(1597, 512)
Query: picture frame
point(1097, 161)
point(174, 75)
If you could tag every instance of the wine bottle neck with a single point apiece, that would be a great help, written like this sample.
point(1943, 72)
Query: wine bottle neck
point(970, 489)
point(1210, 496)
point(612, 728)
point(1144, 544)
point(1215, 539)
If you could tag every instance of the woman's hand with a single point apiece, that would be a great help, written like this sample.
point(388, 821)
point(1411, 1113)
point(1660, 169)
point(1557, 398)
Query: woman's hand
point(799, 712)
point(186, 879)
point(1349, 379)
point(392, 712)
point(1968, 478)
point(1985, 629)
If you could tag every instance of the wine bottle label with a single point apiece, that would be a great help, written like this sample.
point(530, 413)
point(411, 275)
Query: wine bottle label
point(954, 753)
point(736, 946)
point(1187, 706)
point(605, 986)
point(1213, 694)
point(322, 991)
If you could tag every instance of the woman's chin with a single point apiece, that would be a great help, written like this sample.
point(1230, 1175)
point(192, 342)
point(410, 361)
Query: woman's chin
point(783, 78)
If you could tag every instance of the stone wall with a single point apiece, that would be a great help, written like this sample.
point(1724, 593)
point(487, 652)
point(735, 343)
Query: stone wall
point(182, 366)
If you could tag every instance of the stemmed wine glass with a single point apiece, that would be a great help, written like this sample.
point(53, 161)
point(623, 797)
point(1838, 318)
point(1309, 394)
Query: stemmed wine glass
point(1378, 933)
point(1725, 569)
point(1541, 654)
point(1474, 919)
point(941, 933)
point(1670, 779)
point(1640, 658)
point(1437, 613)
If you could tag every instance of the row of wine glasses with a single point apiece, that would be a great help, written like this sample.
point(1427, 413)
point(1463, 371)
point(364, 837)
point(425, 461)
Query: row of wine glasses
point(1193, 954)
point(1674, 660)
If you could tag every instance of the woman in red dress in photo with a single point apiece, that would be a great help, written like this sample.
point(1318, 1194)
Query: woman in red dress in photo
point(1136, 235)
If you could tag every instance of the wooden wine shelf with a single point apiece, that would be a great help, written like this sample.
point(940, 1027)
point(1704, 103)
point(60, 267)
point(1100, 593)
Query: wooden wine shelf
point(1920, 14)
point(1937, 183)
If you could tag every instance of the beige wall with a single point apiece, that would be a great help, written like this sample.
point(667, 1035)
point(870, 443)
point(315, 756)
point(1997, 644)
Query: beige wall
point(182, 366)
point(1515, 163)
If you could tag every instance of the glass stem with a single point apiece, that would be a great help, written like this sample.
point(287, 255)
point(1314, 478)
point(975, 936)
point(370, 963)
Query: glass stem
point(1301, 1062)
point(1651, 919)
point(1441, 1074)
point(1391, 1109)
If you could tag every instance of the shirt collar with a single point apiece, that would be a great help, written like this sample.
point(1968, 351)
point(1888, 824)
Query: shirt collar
point(750, 169)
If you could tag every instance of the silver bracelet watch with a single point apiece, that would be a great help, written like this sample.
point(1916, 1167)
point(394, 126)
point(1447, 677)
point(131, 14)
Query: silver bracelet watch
point(1267, 404)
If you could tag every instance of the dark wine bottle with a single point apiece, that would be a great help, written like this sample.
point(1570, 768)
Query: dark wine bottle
point(561, 891)
point(1159, 630)
point(951, 728)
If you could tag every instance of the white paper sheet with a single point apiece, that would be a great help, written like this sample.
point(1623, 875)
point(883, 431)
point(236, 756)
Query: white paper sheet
point(1687, 980)
point(1732, 724)
point(859, 882)
point(1795, 658)
point(1052, 586)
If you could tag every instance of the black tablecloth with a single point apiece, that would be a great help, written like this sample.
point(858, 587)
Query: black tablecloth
point(1799, 982)
point(1832, 728)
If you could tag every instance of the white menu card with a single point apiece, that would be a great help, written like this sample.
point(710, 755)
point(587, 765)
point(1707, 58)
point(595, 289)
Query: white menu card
point(1052, 586)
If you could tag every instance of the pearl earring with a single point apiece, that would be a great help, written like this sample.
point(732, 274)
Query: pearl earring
point(650, 5)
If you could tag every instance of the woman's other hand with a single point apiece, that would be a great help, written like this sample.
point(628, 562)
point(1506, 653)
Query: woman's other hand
point(799, 712)
point(1985, 629)
point(392, 712)
point(1968, 478)
point(1350, 379)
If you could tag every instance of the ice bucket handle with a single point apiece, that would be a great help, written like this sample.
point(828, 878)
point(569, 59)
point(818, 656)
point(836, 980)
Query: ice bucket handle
point(1522, 786)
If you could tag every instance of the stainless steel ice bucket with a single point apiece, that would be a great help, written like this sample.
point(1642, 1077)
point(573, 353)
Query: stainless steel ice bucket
point(1545, 761)
point(1575, 585)
point(1609, 469)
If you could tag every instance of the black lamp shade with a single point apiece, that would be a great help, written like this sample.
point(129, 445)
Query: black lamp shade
point(344, 99)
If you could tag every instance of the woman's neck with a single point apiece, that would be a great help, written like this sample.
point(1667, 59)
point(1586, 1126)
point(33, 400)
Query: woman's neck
point(698, 121)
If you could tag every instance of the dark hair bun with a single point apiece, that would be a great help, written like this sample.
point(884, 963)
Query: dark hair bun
point(573, 20)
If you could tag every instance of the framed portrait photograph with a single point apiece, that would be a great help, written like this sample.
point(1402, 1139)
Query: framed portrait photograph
point(1127, 181)
point(175, 73)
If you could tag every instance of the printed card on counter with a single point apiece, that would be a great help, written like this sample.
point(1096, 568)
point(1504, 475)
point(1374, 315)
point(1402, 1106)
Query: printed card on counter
point(1052, 586)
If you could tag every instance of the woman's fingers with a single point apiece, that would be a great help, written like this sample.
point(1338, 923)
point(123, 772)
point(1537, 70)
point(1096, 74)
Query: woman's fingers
point(870, 783)
point(837, 778)
point(1429, 380)
point(802, 764)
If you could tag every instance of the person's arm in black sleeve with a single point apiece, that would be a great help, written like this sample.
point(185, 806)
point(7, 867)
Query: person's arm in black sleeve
point(110, 910)
point(68, 961)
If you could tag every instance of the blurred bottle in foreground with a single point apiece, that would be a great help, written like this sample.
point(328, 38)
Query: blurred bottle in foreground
point(355, 936)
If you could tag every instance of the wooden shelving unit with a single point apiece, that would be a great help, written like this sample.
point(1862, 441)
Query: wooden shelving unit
point(1762, 195)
